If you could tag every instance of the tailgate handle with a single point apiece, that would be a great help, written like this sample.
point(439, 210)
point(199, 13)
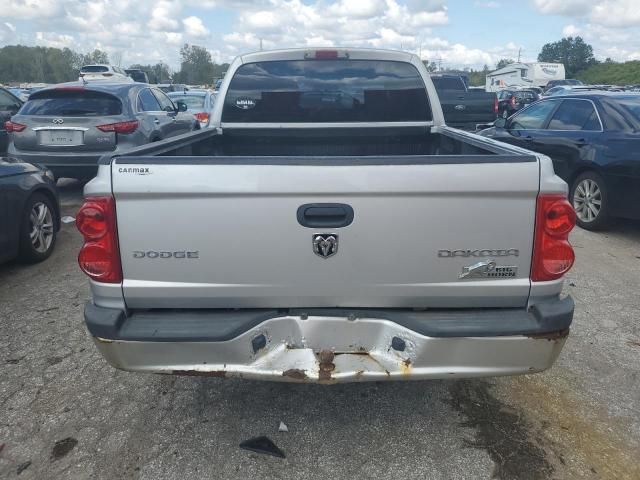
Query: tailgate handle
point(325, 215)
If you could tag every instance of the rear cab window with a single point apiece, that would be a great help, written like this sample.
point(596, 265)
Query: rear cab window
point(448, 83)
point(76, 103)
point(94, 69)
point(299, 91)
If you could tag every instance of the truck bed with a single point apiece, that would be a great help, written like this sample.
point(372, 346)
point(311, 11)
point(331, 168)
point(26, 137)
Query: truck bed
point(233, 198)
point(329, 142)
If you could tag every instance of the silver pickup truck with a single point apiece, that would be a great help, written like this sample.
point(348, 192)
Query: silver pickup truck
point(328, 228)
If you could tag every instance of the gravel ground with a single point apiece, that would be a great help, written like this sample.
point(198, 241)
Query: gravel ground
point(66, 414)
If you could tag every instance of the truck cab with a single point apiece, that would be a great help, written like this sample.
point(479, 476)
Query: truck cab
point(463, 107)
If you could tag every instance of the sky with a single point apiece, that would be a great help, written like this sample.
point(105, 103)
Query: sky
point(453, 33)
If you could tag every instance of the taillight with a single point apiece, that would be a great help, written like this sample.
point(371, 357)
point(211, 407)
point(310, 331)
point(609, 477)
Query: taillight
point(513, 102)
point(99, 257)
point(495, 105)
point(11, 127)
point(553, 255)
point(203, 117)
point(120, 127)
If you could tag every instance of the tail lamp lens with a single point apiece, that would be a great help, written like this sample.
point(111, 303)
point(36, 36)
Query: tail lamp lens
point(553, 255)
point(99, 257)
point(95, 261)
point(11, 127)
point(203, 117)
point(560, 219)
point(91, 221)
point(558, 256)
point(120, 127)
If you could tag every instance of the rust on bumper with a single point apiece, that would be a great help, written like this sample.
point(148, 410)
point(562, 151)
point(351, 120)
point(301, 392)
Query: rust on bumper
point(333, 350)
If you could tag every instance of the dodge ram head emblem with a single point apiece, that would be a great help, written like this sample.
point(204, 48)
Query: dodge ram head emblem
point(325, 245)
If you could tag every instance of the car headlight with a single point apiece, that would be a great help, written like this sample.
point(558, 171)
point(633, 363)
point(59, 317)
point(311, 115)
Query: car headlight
point(49, 174)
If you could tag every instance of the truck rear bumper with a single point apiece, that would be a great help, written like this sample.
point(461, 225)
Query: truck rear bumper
point(333, 346)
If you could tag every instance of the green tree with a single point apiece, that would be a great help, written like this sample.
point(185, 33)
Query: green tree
point(97, 56)
point(478, 78)
point(220, 69)
point(158, 73)
point(503, 62)
point(196, 66)
point(431, 67)
point(574, 53)
point(19, 63)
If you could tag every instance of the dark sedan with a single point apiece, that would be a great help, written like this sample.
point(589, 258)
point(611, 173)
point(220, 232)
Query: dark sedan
point(594, 141)
point(29, 211)
point(9, 106)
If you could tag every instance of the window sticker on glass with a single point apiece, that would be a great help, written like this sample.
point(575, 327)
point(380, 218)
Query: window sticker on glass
point(245, 103)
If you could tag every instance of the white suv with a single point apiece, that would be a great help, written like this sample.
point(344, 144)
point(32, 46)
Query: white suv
point(103, 72)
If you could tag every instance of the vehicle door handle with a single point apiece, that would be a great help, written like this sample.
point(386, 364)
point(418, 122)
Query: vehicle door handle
point(528, 138)
point(156, 121)
point(581, 142)
point(325, 215)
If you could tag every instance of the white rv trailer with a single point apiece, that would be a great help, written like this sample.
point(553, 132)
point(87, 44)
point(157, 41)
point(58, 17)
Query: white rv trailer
point(524, 75)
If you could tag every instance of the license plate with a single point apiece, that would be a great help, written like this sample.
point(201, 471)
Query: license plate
point(60, 137)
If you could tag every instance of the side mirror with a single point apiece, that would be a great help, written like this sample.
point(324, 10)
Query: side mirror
point(182, 107)
point(500, 122)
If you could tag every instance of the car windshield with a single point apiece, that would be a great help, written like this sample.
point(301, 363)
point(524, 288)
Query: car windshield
point(75, 103)
point(193, 102)
point(525, 95)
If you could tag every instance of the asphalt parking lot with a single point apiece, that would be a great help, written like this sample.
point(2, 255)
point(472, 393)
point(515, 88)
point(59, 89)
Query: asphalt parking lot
point(66, 414)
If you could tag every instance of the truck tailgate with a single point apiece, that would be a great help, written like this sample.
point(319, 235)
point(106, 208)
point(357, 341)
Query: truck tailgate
point(223, 232)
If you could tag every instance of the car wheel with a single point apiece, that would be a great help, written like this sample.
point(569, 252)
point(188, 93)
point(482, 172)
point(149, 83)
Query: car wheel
point(505, 114)
point(37, 229)
point(589, 197)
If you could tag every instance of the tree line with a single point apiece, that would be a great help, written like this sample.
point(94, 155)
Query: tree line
point(20, 63)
